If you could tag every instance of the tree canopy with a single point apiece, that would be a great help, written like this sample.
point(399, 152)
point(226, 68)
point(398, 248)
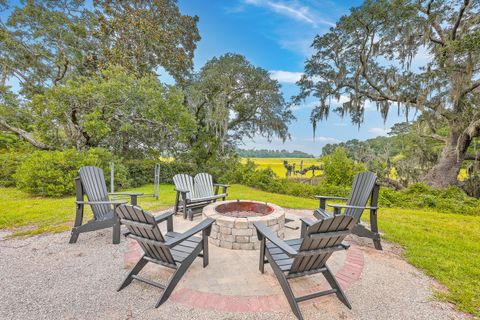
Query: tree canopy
point(87, 74)
point(115, 110)
point(367, 56)
point(232, 100)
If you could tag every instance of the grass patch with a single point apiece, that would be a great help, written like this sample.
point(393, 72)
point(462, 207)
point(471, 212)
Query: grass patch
point(34, 215)
point(446, 246)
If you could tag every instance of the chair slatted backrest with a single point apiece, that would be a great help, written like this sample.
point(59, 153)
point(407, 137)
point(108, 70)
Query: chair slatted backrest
point(185, 182)
point(143, 227)
point(94, 185)
point(203, 185)
point(362, 187)
point(320, 237)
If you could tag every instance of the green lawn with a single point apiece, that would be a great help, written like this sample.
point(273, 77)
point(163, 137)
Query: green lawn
point(446, 246)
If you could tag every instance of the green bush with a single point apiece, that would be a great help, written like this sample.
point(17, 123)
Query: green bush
point(451, 199)
point(141, 172)
point(339, 169)
point(418, 196)
point(9, 162)
point(51, 173)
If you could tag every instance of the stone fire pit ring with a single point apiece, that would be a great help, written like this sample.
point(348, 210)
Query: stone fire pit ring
point(233, 227)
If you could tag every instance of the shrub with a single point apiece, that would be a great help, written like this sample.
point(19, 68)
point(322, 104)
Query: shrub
point(9, 162)
point(339, 169)
point(451, 199)
point(141, 172)
point(51, 173)
point(418, 195)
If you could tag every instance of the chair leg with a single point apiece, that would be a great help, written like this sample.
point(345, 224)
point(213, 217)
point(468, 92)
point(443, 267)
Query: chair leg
point(90, 226)
point(177, 276)
point(78, 223)
point(116, 232)
point(184, 207)
point(205, 249)
point(335, 285)
point(285, 287)
point(136, 269)
point(177, 201)
point(74, 236)
point(374, 229)
point(261, 265)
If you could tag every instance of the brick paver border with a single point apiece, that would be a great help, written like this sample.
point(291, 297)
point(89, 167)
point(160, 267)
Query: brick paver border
point(348, 274)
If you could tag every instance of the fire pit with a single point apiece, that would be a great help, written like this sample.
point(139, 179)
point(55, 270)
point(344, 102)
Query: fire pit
point(233, 227)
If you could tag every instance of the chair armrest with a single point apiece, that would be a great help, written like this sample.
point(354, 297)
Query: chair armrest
point(164, 216)
point(182, 190)
point(264, 231)
point(330, 197)
point(221, 185)
point(224, 188)
point(205, 224)
point(114, 202)
point(323, 200)
point(306, 222)
point(345, 206)
point(338, 207)
point(126, 193)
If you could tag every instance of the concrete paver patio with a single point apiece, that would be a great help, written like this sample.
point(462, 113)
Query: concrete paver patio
point(44, 277)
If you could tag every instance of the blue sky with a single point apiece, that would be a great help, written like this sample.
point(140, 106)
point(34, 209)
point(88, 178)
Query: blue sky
point(276, 35)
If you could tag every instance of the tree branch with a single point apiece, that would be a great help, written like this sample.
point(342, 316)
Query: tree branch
point(434, 136)
point(434, 23)
point(474, 86)
point(61, 72)
point(25, 135)
point(459, 18)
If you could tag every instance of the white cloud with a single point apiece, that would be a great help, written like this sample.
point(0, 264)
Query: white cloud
point(292, 10)
point(379, 131)
point(326, 139)
point(285, 76)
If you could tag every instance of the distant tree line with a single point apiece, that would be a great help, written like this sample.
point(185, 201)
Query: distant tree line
point(264, 153)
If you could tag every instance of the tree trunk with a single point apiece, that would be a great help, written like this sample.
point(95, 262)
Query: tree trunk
point(445, 172)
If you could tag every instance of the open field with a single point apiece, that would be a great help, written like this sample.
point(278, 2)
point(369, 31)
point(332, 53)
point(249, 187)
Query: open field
point(445, 246)
point(276, 164)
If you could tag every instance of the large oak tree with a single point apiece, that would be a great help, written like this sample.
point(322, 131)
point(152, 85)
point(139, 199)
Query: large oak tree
point(367, 57)
point(43, 44)
point(232, 100)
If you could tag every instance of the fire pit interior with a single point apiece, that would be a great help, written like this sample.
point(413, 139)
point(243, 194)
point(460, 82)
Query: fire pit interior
point(233, 227)
point(244, 209)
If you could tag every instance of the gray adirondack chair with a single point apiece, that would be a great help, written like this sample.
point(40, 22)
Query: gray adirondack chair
point(91, 182)
point(364, 186)
point(172, 250)
point(195, 193)
point(306, 255)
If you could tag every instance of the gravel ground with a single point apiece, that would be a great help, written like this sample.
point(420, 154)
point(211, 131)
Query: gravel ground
point(43, 277)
